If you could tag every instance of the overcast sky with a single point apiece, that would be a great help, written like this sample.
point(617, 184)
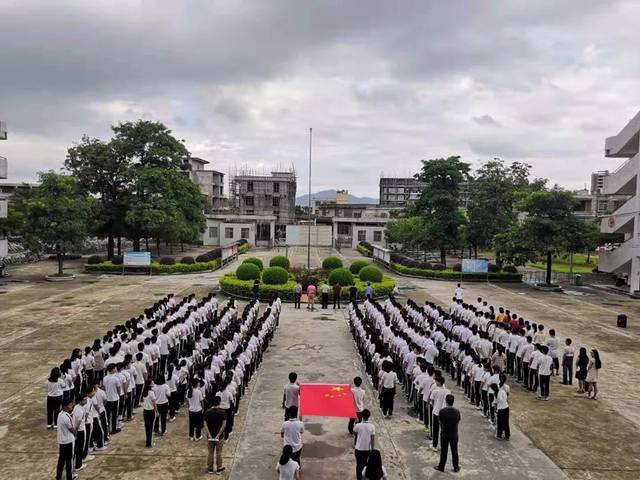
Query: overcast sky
point(384, 84)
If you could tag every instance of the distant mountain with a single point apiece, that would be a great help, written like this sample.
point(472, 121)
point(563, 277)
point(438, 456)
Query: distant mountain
point(303, 200)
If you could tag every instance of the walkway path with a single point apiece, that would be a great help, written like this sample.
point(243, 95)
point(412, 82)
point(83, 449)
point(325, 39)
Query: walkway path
point(319, 348)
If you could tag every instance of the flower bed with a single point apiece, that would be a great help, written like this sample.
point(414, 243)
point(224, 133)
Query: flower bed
point(156, 267)
point(231, 285)
point(449, 274)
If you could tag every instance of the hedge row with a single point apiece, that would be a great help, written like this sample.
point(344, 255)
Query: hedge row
point(452, 275)
point(110, 267)
point(365, 249)
point(231, 285)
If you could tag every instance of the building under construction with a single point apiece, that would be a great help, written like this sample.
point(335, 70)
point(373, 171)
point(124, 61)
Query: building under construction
point(274, 194)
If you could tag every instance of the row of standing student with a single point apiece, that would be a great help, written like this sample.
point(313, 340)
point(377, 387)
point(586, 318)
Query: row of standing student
point(189, 331)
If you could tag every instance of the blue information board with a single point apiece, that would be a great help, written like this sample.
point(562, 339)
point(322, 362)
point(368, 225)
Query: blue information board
point(471, 265)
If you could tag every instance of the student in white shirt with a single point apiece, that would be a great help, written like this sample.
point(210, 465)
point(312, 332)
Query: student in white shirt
point(365, 442)
point(150, 411)
point(358, 394)
point(55, 386)
point(66, 437)
point(567, 363)
point(161, 389)
point(502, 407)
point(195, 399)
point(387, 388)
point(291, 434)
point(290, 397)
point(287, 468)
point(77, 417)
point(545, 369)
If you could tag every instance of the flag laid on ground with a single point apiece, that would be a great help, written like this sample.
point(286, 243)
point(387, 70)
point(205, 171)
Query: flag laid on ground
point(326, 400)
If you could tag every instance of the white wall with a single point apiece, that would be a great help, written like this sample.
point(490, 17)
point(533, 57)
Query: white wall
point(4, 247)
point(369, 231)
point(321, 235)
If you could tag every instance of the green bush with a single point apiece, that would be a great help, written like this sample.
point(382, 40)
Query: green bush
point(457, 267)
point(331, 263)
point(117, 260)
point(255, 260)
point(187, 260)
point(94, 260)
point(110, 267)
point(341, 276)
point(358, 265)
point(280, 261)
point(370, 274)
point(492, 267)
point(248, 271)
point(510, 269)
point(451, 275)
point(245, 247)
point(231, 285)
point(363, 251)
point(438, 267)
point(167, 261)
point(275, 276)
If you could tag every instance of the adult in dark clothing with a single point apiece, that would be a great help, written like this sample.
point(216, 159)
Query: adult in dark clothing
point(353, 294)
point(449, 418)
point(256, 289)
point(581, 369)
point(337, 290)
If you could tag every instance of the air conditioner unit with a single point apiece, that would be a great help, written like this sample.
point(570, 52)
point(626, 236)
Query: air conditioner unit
point(3, 130)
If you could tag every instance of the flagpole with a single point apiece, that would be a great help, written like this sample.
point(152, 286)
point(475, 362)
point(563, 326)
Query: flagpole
point(309, 227)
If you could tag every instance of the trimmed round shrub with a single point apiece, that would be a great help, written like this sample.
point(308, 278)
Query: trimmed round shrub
point(248, 271)
point(167, 261)
point(256, 261)
point(280, 261)
point(202, 258)
point(438, 266)
point(370, 273)
point(427, 266)
point(331, 263)
point(341, 276)
point(187, 260)
point(358, 265)
point(457, 267)
point(510, 269)
point(117, 260)
point(94, 260)
point(275, 276)
point(493, 268)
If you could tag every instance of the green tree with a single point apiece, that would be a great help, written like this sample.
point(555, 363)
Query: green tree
point(103, 173)
point(493, 192)
point(147, 145)
point(169, 206)
point(54, 217)
point(438, 203)
point(410, 232)
point(547, 229)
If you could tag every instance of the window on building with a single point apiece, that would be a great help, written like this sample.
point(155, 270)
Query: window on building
point(377, 236)
point(357, 214)
point(249, 186)
point(362, 235)
point(248, 201)
point(249, 212)
point(228, 232)
point(602, 205)
point(343, 229)
point(244, 233)
point(213, 232)
point(276, 188)
point(276, 201)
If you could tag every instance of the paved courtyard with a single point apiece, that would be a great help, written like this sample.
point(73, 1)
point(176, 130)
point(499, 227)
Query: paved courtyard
point(567, 437)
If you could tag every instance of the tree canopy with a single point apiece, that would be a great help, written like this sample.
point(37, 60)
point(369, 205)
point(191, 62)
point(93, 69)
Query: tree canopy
point(56, 216)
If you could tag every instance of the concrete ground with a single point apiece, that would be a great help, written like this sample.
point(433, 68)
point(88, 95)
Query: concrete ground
point(41, 322)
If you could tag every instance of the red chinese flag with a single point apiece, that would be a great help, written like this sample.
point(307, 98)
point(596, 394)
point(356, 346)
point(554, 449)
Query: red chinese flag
point(326, 400)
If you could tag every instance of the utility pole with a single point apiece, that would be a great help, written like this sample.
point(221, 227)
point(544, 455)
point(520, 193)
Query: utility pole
point(309, 226)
